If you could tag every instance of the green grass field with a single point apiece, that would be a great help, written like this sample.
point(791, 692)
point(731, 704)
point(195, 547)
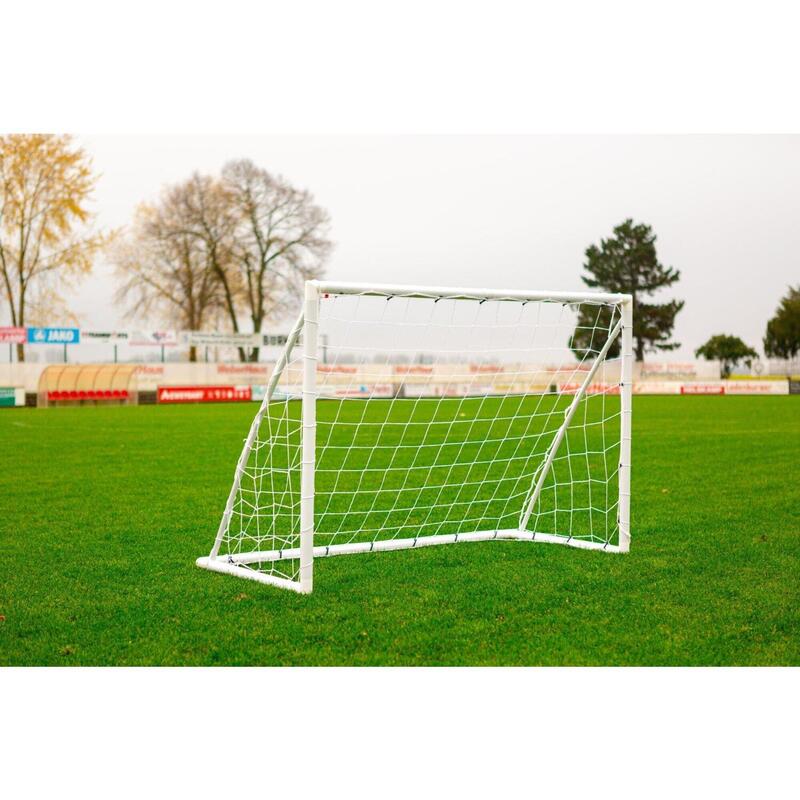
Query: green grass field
point(409, 468)
point(105, 510)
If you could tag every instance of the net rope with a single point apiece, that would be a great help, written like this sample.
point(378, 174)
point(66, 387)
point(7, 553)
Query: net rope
point(434, 416)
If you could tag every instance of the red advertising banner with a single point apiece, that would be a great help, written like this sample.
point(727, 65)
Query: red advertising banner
point(703, 388)
point(203, 394)
point(13, 335)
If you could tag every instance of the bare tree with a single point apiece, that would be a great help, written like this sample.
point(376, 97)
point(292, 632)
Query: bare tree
point(45, 186)
point(241, 246)
point(281, 240)
point(210, 218)
point(171, 259)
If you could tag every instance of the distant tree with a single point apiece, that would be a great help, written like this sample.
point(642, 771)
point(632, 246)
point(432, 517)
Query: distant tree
point(45, 186)
point(281, 240)
point(171, 259)
point(239, 247)
point(782, 338)
point(627, 262)
point(728, 350)
point(210, 219)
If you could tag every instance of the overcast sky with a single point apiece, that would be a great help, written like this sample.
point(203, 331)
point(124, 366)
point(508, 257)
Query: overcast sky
point(508, 212)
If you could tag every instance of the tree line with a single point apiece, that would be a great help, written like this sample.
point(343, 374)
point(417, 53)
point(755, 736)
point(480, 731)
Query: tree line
point(627, 262)
point(214, 250)
point(235, 249)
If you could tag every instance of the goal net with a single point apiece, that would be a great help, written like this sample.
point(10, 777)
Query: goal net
point(401, 417)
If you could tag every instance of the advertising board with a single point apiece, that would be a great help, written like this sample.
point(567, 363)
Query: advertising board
point(203, 394)
point(111, 337)
point(703, 388)
point(153, 338)
point(54, 336)
point(11, 396)
point(11, 335)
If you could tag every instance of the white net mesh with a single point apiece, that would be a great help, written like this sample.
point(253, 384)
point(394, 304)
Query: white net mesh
point(434, 417)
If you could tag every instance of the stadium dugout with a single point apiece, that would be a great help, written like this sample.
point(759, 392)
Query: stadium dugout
point(87, 384)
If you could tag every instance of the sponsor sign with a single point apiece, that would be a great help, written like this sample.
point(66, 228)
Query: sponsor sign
point(157, 338)
point(364, 390)
point(203, 394)
point(211, 339)
point(703, 388)
point(657, 387)
point(406, 369)
point(757, 387)
point(273, 339)
point(112, 337)
point(439, 390)
point(668, 371)
point(486, 368)
point(257, 370)
point(339, 368)
point(594, 388)
point(149, 369)
point(13, 335)
point(54, 336)
point(11, 396)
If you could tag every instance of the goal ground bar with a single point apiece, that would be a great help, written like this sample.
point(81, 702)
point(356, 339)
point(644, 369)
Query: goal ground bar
point(227, 568)
point(223, 564)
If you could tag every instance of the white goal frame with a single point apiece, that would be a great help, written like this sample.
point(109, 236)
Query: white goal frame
point(307, 325)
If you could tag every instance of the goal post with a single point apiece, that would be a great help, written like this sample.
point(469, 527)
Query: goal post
point(405, 416)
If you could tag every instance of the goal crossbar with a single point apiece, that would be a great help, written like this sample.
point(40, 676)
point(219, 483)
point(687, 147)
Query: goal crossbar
point(462, 293)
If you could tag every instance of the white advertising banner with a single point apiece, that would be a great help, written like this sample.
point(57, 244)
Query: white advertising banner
point(757, 387)
point(216, 339)
point(212, 339)
point(360, 381)
point(657, 387)
point(153, 338)
point(362, 391)
point(150, 376)
point(248, 372)
point(111, 337)
point(676, 371)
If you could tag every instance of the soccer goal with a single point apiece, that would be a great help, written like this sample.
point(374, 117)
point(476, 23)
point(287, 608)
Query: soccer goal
point(403, 416)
